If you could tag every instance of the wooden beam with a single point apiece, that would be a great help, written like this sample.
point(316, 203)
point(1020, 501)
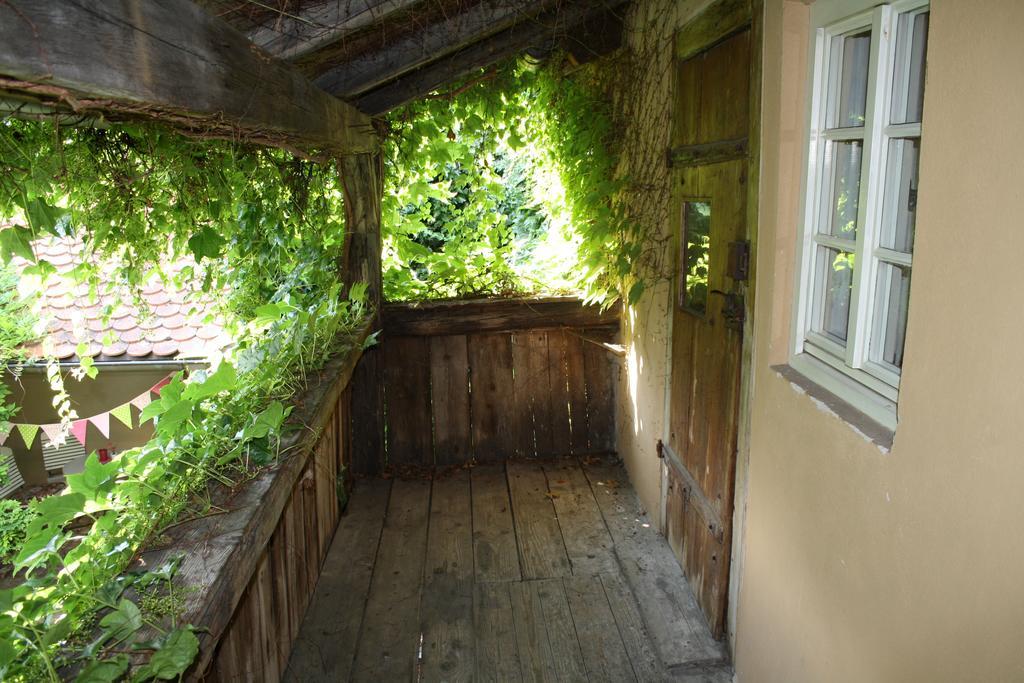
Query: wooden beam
point(707, 153)
point(435, 318)
point(541, 32)
point(314, 27)
point(448, 69)
point(366, 71)
point(717, 22)
point(168, 60)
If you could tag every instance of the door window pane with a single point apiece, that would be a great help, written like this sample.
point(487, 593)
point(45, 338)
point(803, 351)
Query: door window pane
point(893, 292)
point(835, 280)
point(841, 188)
point(899, 206)
point(908, 68)
point(696, 249)
point(848, 80)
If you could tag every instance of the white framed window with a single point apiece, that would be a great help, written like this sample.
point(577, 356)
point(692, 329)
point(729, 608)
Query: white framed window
point(860, 199)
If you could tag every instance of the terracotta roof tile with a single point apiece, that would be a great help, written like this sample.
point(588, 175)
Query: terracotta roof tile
point(168, 326)
point(140, 349)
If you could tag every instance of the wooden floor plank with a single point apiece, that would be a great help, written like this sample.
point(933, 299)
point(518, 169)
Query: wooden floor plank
point(603, 649)
point(587, 541)
point(390, 639)
point(494, 538)
point(674, 620)
point(539, 537)
point(325, 647)
point(646, 664)
point(444, 565)
point(497, 655)
point(535, 659)
point(446, 612)
point(566, 655)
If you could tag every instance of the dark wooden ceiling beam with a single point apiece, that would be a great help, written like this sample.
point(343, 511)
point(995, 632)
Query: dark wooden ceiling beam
point(168, 60)
point(364, 72)
point(314, 27)
point(561, 28)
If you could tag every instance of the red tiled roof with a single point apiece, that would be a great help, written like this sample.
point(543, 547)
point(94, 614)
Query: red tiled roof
point(172, 323)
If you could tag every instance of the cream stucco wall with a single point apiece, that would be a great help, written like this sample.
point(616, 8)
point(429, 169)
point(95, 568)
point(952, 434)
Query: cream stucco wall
point(861, 565)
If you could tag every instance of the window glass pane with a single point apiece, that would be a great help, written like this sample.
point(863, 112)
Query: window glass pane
point(835, 280)
point(908, 68)
point(696, 246)
point(848, 80)
point(899, 207)
point(893, 293)
point(841, 188)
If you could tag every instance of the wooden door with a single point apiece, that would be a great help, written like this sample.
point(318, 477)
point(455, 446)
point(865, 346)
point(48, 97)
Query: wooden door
point(710, 165)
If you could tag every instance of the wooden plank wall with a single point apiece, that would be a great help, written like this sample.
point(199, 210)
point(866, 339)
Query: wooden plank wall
point(489, 381)
point(258, 641)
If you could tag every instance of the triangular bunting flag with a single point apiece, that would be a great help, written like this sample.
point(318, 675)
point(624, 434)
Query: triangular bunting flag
point(53, 434)
point(160, 385)
point(5, 431)
point(102, 422)
point(28, 433)
point(78, 428)
point(123, 413)
point(142, 401)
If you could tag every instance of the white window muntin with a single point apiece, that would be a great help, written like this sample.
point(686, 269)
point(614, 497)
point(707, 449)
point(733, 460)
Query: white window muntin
point(859, 359)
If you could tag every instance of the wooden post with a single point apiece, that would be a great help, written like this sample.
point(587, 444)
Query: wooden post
point(362, 183)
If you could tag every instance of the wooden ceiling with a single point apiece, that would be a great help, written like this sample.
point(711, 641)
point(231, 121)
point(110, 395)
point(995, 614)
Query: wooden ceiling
point(380, 54)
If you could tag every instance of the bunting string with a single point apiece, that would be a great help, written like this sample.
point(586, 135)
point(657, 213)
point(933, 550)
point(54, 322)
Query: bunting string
point(79, 428)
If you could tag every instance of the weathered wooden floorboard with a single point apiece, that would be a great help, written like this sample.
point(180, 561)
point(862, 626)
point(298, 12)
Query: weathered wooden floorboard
point(325, 648)
point(447, 601)
point(566, 654)
point(646, 664)
point(496, 557)
point(446, 612)
point(603, 649)
point(389, 642)
point(535, 660)
point(537, 532)
point(497, 654)
point(674, 620)
point(587, 541)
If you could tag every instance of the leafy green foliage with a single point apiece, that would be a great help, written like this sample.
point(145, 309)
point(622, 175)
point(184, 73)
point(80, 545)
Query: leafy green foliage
point(14, 521)
point(505, 188)
point(17, 328)
point(266, 232)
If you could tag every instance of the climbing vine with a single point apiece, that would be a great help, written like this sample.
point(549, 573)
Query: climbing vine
point(265, 232)
point(519, 167)
point(511, 183)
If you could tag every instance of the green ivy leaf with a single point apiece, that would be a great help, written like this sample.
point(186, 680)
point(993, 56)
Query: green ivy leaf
point(170, 661)
point(104, 670)
point(635, 292)
point(206, 243)
point(55, 511)
point(224, 379)
point(122, 622)
point(95, 479)
point(16, 241)
point(44, 217)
